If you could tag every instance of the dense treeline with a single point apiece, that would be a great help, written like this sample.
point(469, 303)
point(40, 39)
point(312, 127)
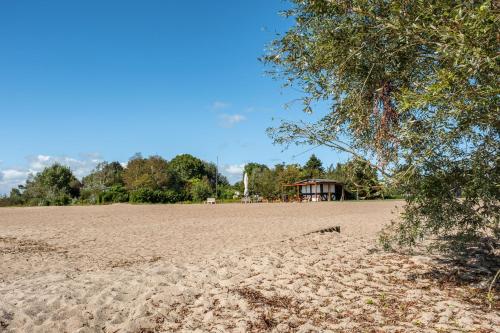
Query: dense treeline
point(142, 180)
point(185, 178)
point(360, 178)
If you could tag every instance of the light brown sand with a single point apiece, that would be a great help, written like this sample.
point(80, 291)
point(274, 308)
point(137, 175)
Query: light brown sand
point(126, 268)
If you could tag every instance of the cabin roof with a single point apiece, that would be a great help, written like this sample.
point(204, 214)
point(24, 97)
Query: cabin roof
point(314, 181)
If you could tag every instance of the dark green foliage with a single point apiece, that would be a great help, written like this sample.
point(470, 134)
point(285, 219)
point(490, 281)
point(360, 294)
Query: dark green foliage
point(313, 168)
point(14, 199)
point(361, 179)
point(153, 173)
point(265, 184)
point(5, 201)
point(453, 200)
point(210, 171)
point(146, 195)
point(255, 173)
point(155, 180)
point(105, 175)
point(100, 181)
point(114, 194)
point(199, 176)
point(252, 168)
point(55, 185)
point(200, 189)
point(288, 174)
point(227, 191)
point(188, 167)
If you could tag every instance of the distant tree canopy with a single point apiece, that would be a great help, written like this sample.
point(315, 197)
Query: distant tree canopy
point(104, 184)
point(104, 175)
point(359, 177)
point(188, 167)
point(413, 87)
point(142, 180)
point(153, 173)
point(156, 180)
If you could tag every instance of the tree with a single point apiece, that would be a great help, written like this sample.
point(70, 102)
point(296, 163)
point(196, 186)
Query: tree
point(188, 167)
point(200, 189)
point(135, 175)
point(361, 179)
point(16, 197)
point(335, 172)
point(413, 88)
point(55, 185)
point(153, 173)
point(266, 185)
point(210, 171)
point(289, 174)
point(252, 167)
point(254, 171)
point(106, 177)
point(313, 167)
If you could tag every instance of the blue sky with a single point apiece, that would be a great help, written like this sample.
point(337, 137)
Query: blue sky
point(85, 81)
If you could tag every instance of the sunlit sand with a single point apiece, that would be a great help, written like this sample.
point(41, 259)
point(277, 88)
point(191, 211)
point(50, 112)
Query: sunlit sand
point(233, 267)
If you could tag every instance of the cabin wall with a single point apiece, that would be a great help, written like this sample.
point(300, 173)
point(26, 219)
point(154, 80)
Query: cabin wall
point(319, 189)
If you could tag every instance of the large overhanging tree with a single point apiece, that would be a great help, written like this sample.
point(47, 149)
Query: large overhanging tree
point(413, 88)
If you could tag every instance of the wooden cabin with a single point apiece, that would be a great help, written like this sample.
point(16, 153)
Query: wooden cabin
point(316, 190)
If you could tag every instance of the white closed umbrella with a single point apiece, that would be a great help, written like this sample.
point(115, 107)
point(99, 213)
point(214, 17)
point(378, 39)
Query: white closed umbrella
point(245, 182)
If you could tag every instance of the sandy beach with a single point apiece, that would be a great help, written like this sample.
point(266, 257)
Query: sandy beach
point(225, 268)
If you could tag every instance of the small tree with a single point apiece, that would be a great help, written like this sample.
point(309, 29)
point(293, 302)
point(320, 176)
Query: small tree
point(200, 189)
point(153, 173)
point(313, 168)
point(188, 167)
point(361, 179)
point(254, 171)
point(55, 185)
point(104, 177)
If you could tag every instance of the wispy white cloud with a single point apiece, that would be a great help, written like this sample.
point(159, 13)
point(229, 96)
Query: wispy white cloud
point(229, 120)
point(12, 177)
point(233, 172)
point(80, 166)
point(235, 169)
point(220, 105)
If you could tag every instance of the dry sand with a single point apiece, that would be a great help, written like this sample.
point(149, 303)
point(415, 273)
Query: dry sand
point(225, 268)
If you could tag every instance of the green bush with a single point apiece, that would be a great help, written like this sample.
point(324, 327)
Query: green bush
point(114, 194)
point(5, 201)
point(200, 189)
point(61, 199)
point(146, 195)
point(170, 196)
point(225, 192)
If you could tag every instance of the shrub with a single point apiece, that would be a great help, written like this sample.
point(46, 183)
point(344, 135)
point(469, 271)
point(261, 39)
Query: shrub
point(200, 189)
point(114, 194)
point(146, 195)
